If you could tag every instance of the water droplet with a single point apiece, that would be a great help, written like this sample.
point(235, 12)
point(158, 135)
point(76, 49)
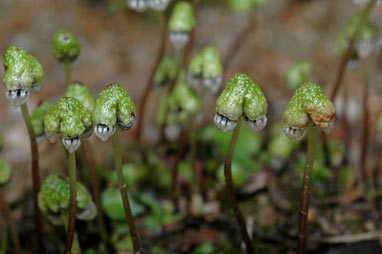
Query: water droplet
point(17, 97)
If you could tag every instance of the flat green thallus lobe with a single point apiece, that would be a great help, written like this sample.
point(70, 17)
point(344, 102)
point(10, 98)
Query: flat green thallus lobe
point(22, 70)
point(309, 100)
point(113, 104)
point(242, 96)
point(69, 118)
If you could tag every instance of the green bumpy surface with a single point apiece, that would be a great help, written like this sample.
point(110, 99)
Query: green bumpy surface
point(207, 63)
point(65, 46)
point(298, 73)
point(242, 96)
point(54, 195)
point(68, 118)
point(113, 103)
point(5, 172)
point(245, 5)
point(182, 18)
point(22, 70)
point(166, 69)
point(38, 117)
point(82, 94)
point(309, 101)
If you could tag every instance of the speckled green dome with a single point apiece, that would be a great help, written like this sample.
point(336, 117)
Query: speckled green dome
point(81, 93)
point(65, 46)
point(182, 18)
point(207, 63)
point(22, 70)
point(38, 117)
point(5, 172)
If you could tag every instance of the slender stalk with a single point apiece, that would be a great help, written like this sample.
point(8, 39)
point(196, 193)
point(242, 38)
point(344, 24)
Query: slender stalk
point(349, 51)
point(11, 224)
point(35, 176)
point(4, 235)
point(231, 191)
point(89, 160)
point(76, 249)
point(150, 81)
point(72, 203)
point(365, 130)
point(123, 190)
point(68, 73)
point(305, 189)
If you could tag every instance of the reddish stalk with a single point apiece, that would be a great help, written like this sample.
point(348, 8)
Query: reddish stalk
point(72, 203)
point(365, 130)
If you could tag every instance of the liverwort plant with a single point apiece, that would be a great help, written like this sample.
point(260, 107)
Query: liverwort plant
point(71, 121)
point(114, 108)
point(66, 48)
point(242, 98)
point(207, 68)
point(181, 23)
point(298, 73)
point(24, 74)
point(54, 202)
point(310, 109)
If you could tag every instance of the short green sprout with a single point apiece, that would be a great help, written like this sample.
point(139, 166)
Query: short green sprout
point(141, 5)
point(181, 22)
point(166, 70)
point(53, 199)
point(65, 46)
point(309, 101)
point(298, 73)
point(241, 97)
point(81, 93)
point(23, 74)
point(69, 119)
point(38, 116)
point(245, 5)
point(207, 67)
point(114, 106)
point(5, 172)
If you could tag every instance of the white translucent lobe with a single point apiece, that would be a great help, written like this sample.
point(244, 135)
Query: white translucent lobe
point(179, 39)
point(223, 123)
point(294, 133)
point(257, 124)
point(104, 132)
point(71, 144)
point(17, 97)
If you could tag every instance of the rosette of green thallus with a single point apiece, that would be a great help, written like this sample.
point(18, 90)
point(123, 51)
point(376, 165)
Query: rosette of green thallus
point(207, 68)
point(69, 120)
point(5, 173)
point(141, 5)
point(308, 102)
point(181, 23)
point(23, 75)
point(242, 97)
point(114, 108)
point(53, 200)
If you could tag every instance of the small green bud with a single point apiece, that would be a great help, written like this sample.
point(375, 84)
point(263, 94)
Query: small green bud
point(23, 74)
point(38, 116)
point(54, 196)
point(181, 22)
point(5, 172)
point(298, 73)
point(114, 106)
point(166, 70)
point(241, 97)
point(245, 5)
point(309, 101)
point(70, 119)
point(65, 46)
point(81, 93)
point(207, 65)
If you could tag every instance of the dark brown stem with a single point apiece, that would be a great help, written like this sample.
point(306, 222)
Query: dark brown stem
point(365, 130)
point(11, 223)
point(35, 176)
point(89, 159)
point(72, 203)
point(150, 81)
point(231, 191)
point(349, 51)
point(123, 190)
point(305, 189)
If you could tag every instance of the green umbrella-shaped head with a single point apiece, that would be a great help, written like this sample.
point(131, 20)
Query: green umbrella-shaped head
point(298, 73)
point(180, 24)
point(309, 101)
point(53, 199)
point(81, 93)
point(166, 70)
point(5, 173)
point(114, 106)
point(38, 117)
point(23, 74)
point(71, 120)
point(65, 46)
point(241, 97)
